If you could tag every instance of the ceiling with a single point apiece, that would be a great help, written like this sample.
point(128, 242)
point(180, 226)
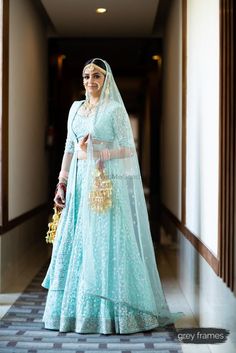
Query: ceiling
point(124, 18)
point(127, 36)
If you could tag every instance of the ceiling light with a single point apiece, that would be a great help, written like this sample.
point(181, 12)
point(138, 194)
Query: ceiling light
point(101, 10)
point(156, 57)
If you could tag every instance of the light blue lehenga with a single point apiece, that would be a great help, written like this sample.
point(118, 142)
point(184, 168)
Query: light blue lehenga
point(103, 277)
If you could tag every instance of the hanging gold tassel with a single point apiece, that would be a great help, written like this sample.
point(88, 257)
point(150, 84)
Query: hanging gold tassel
point(100, 198)
point(52, 226)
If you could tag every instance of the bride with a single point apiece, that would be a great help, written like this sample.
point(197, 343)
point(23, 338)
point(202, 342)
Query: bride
point(103, 276)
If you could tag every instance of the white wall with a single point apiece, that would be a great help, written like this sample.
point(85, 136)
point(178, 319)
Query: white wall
point(171, 123)
point(23, 251)
point(25, 245)
point(203, 120)
point(27, 108)
point(202, 117)
point(212, 302)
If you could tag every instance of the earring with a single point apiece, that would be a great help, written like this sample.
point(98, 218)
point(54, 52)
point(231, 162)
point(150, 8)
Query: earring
point(86, 95)
point(107, 90)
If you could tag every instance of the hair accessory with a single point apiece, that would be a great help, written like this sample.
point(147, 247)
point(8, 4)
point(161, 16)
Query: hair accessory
point(91, 67)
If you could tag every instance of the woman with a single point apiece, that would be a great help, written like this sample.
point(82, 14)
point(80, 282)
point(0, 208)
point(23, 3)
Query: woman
point(103, 276)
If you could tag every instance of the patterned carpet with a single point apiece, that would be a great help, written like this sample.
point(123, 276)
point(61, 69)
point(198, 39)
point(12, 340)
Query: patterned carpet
point(21, 331)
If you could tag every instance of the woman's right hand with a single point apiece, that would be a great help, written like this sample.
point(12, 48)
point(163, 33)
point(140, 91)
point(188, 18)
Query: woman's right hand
point(83, 143)
point(60, 196)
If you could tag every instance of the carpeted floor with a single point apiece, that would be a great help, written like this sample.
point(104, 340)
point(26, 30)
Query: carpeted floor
point(22, 331)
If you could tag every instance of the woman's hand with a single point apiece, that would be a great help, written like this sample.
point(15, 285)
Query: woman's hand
point(83, 143)
point(60, 195)
point(100, 165)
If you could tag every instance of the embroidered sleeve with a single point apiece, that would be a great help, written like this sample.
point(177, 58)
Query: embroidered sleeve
point(69, 145)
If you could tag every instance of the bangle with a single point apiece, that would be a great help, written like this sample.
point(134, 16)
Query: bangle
point(62, 180)
point(62, 185)
point(105, 154)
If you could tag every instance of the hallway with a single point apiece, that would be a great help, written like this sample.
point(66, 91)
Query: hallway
point(27, 319)
point(13, 332)
point(174, 65)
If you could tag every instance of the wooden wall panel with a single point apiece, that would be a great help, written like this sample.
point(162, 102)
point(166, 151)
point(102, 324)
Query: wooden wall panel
point(227, 143)
point(184, 109)
point(4, 118)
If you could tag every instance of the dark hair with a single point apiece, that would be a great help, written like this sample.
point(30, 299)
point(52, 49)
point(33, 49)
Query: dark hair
point(97, 62)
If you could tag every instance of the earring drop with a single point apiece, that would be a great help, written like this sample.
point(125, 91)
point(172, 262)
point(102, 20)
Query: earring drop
point(107, 91)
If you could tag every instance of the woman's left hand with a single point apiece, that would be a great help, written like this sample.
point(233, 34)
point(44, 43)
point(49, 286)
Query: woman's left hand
point(83, 143)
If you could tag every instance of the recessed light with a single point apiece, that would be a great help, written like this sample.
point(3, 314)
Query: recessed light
point(156, 57)
point(101, 10)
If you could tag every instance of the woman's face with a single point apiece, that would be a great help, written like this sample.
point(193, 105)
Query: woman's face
point(93, 82)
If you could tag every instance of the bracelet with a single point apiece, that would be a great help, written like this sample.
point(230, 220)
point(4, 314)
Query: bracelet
point(105, 154)
point(62, 180)
point(62, 185)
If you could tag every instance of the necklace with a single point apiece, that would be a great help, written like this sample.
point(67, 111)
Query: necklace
point(88, 107)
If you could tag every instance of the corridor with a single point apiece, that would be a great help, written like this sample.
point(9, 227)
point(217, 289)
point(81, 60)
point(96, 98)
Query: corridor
point(174, 66)
point(22, 327)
